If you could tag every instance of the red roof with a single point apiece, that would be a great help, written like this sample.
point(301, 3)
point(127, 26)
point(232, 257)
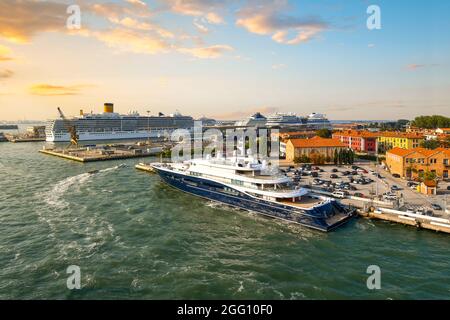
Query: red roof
point(425, 152)
point(316, 142)
point(353, 133)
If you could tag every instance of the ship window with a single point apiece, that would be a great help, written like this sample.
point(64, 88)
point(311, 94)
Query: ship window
point(237, 182)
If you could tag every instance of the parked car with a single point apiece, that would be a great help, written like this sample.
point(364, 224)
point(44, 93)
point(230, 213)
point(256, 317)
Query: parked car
point(334, 170)
point(355, 167)
point(396, 175)
point(395, 188)
point(358, 194)
point(338, 194)
point(314, 174)
point(333, 176)
point(448, 187)
point(436, 206)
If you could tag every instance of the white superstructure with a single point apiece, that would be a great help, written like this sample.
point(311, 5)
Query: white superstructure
point(110, 125)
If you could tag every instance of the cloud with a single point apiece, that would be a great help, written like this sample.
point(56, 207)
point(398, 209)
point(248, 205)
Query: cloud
point(132, 41)
point(43, 89)
point(200, 27)
point(211, 52)
point(269, 19)
point(208, 9)
point(21, 20)
point(214, 18)
point(112, 10)
point(278, 66)
point(5, 74)
point(419, 66)
point(5, 53)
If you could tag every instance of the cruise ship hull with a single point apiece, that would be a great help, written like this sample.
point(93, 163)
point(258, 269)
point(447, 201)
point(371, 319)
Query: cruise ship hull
point(326, 217)
point(117, 135)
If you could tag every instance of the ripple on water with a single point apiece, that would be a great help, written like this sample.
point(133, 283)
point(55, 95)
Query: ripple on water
point(132, 236)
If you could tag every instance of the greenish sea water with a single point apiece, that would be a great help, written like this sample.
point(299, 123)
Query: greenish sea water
point(135, 238)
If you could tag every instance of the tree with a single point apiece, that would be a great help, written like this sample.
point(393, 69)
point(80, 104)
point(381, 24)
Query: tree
point(340, 156)
point(302, 159)
point(427, 176)
point(431, 122)
point(351, 156)
point(324, 133)
point(336, 157)
point(430, 144)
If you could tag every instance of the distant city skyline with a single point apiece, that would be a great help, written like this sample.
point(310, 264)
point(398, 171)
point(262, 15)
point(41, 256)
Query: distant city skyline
point(225, 59)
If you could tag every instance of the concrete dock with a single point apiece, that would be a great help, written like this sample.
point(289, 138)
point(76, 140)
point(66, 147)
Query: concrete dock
point(105, 152)
point(411, 219)
point(16, 140)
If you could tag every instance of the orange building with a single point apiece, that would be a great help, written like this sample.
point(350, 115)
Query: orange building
point(316, 146)
point(410, 163)
point(359, 141)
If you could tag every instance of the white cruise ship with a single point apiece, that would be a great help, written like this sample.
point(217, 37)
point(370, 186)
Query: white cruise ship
point(110, 125)
point(317, 121)
point(243, 183)
point(256, 120)
point(314, 121)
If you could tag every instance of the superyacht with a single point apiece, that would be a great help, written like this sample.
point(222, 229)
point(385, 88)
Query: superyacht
point(250, 184)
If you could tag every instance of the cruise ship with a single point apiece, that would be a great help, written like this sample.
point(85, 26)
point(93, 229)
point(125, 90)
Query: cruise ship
point(314, 121)
point(110, 125)
point(243, 183)
point(318, 121)
point(285, 120)
point(256, 120)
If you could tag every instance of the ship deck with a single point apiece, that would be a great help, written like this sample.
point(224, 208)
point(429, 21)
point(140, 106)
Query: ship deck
point(305, 202)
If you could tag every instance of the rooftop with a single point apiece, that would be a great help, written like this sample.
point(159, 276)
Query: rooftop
point(425, 152)
point(354, 133)
point(316, 142)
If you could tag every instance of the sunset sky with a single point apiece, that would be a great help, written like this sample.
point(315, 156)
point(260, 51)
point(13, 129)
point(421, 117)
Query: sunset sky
point(225, 59)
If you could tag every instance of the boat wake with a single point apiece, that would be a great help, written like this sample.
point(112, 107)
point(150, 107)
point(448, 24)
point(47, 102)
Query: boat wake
point(54, 197)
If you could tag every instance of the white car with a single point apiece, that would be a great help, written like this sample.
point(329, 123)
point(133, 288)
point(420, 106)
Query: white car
point(338, 194)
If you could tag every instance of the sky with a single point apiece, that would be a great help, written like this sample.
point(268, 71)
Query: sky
point(225, 59)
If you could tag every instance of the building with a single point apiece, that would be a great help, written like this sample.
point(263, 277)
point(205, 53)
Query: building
point(428, 187)
point(314, 147)
point(442, 130)
point(388, 140)
point(358, 141)
point(411, 163)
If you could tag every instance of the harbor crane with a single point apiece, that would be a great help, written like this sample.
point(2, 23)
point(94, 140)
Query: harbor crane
point(71, 128)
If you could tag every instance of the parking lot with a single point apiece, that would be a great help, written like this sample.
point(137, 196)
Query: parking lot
point(365, 181)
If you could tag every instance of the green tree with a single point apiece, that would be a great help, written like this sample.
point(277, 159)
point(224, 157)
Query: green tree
point(430, 144)
point(336, 157)
point(431, 122)
point(351, 156)
point(427, 176)
point(340, 156)
point(324, 133)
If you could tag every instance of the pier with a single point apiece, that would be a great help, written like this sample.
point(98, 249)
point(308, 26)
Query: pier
point(419, 221)
point(104, 152)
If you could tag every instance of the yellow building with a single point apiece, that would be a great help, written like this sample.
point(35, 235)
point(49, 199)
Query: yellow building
point(313, 148)
point(389, 140)
point(411, 163)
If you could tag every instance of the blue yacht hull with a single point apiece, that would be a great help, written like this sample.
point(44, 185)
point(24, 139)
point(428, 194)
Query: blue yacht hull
point(325, 217)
